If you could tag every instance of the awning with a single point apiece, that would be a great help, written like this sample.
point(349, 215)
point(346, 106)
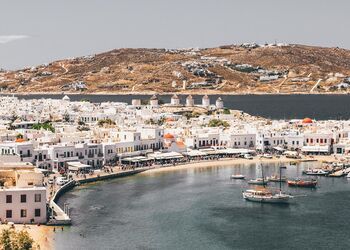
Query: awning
point(165, 156)
point(136, 159)
point(76, 166)
point(194, 153)
point(238, 151)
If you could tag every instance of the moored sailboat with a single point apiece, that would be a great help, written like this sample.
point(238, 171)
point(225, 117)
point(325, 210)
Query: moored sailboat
point(264, 195)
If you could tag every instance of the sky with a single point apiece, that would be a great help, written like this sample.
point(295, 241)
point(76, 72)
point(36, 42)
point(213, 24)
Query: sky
point(34, 32)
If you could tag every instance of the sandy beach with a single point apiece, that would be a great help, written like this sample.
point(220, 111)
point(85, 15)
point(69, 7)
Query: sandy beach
point(234, 162)
point(42, 235)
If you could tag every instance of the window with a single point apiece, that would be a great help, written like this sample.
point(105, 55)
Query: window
point(23, 198)
point(8, 198)
point(37, 212)
point(23, 213)
point(37, 198)
point(8, 213)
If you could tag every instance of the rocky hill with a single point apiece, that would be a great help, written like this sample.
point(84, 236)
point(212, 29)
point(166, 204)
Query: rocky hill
point(236, 69)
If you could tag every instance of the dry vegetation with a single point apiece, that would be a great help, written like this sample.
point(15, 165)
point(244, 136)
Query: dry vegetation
point(152, 70)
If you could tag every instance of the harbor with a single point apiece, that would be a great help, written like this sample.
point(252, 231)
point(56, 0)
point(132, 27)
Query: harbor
point(60, 215)
point(213, 213)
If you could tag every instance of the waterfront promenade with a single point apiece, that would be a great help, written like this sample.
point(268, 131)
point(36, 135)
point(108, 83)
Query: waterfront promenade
point(60, 216)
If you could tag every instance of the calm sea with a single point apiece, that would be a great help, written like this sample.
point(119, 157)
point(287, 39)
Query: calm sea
point(203, 209)
point(319, 107)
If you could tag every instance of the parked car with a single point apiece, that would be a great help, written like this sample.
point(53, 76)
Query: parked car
point(267, 156)
point(248, 156)
point(61, 180)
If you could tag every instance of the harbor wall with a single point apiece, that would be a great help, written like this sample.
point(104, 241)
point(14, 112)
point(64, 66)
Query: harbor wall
point(109, 176)
point(61, 218)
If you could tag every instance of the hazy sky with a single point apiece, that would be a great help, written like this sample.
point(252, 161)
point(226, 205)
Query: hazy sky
point(39, 31)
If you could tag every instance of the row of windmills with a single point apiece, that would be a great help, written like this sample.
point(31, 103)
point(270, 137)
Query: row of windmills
point(175, 101)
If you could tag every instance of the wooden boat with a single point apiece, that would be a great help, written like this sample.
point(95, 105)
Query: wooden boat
point(302, 183)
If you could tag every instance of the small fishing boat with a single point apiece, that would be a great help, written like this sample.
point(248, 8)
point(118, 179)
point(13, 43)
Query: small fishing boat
point(275, 178)
point(237, 176)
point(316, 171)
point(258, 181)
point(302, 183)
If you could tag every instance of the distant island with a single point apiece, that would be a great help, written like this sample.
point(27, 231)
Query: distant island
point(231, 69)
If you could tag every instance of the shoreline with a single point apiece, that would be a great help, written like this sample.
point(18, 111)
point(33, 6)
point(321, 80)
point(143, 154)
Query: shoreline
point(47, 236)
point(228, 162)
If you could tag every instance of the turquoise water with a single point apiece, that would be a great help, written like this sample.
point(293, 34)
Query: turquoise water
point(203, 209)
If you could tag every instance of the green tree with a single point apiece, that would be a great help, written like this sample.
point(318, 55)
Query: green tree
point(107, 121)
point(24, 241)
point(226, 111)
point(5, 239)
point(12, 240)
point(218, 123)
point(19, 136)
point(46, 125)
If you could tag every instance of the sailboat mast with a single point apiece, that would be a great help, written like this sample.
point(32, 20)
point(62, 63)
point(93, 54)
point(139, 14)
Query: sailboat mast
point(262, 174)
point(280, 179)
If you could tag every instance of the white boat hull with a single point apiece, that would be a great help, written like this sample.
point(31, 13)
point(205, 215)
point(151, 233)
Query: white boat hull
point(278, 199)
